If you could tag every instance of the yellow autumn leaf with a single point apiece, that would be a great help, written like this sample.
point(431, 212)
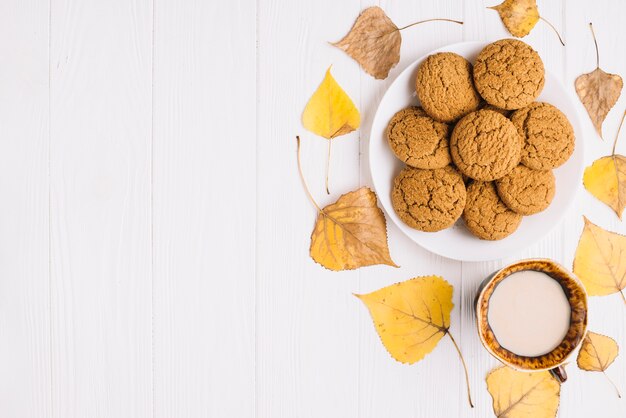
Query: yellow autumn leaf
point(519, 16)
point(599, 260)
point(351, 233)
point(597, 353)
point(606, 180)
point(522, 394)
point(330, 112)
point(412, 316)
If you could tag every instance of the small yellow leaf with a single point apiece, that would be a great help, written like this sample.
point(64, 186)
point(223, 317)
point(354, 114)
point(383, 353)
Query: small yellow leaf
point(412, 316)
point(599, 260)
point(519, 16)
point(597, 352)
point(521, 394)
point(330, 112)
point(351, 233)
point(374, 42)
point(606, 180)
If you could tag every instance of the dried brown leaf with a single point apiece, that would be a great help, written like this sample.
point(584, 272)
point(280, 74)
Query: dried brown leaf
point(374, 42)
point(519, 16)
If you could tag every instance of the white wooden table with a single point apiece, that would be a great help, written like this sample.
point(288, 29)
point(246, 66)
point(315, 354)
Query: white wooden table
point(154, 232)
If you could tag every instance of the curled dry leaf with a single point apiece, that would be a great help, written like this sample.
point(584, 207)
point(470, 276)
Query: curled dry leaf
point(606, 178)
point(598, 91)
point(349, 233)
point(599, 261)
point(520, 17)
point(521, 394)
point(411, 317)
point(374, 42)
point(597, 353)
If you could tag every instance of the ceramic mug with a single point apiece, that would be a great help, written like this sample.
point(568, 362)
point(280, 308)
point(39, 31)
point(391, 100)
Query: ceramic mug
point(553, 360)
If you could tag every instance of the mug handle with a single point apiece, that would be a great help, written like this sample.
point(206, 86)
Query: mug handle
point(559, 374)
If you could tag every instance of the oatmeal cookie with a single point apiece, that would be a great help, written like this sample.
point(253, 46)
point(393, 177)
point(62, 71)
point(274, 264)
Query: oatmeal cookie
point(428, 200)
point(445, 88)
point(503, 112)
point(527, 191)
point(485, 215)
point(547, 136)
point(419, 140)
point(485, 145)
point(509, 74)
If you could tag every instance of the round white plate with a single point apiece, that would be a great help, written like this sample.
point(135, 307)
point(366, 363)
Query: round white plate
point(457, 242)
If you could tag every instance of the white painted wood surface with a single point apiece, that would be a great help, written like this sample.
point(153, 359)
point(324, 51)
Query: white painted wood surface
point(154, 233)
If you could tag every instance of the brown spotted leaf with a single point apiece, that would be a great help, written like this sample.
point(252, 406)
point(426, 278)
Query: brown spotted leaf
point(598, 91)
point(519, 16)
point(374, 42)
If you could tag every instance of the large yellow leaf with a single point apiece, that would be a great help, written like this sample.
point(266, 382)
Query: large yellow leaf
point(600, 260)
point(521, 394)
point(351, 233)
point(519, 16)
point(597, 353)
point(412, 316)
point(606, 180)
point(374, 42)
point(330, 112)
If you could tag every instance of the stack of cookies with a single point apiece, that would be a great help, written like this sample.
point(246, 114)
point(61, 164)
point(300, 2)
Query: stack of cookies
point(479, 147)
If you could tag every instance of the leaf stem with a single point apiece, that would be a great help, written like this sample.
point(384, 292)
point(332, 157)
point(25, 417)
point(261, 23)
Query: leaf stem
point(554, 29)
point(619, 395)
point(431, 20)
point(617, 135)
point(328, 165)
point(595, 41)
point(621, 293)
point(467, 382)
point(306, 188)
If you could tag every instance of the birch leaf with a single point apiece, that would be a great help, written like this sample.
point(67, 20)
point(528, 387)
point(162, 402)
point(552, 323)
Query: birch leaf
point(606, 180)
point(330, 112)
point(411, 318)
point(519, 16)
point(599, 260)
point(351, 233)
point(374, 42)
point(598, 91)
point(597, 353)
point(521, 394)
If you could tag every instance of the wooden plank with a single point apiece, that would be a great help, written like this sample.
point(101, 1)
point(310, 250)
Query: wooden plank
point(204, 208)
point(307, 318)
point(388, 388)
point(101, 66)
point(25, 384)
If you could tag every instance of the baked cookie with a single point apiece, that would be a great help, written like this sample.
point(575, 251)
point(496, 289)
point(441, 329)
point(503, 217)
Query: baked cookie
point(509, 74)
point(445, 88)
point(485, 215)
point(419, 140)
point(547, 136)
point(527, 191)
point(428, 200)
point(503, 112)
point(485, 145)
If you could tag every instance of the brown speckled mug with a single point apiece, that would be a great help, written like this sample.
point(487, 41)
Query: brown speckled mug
point(553, 360)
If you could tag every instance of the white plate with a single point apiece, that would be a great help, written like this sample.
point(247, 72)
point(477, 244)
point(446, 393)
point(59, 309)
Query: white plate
point(457, 242)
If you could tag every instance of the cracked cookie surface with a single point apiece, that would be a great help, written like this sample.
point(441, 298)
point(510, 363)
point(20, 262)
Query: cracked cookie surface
point(445, 87)
point(527, 191)
point(509, 74)
point(419, 140)
point(485, 145)
point(485, 215)
point(547, 136)
point(428, 200)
